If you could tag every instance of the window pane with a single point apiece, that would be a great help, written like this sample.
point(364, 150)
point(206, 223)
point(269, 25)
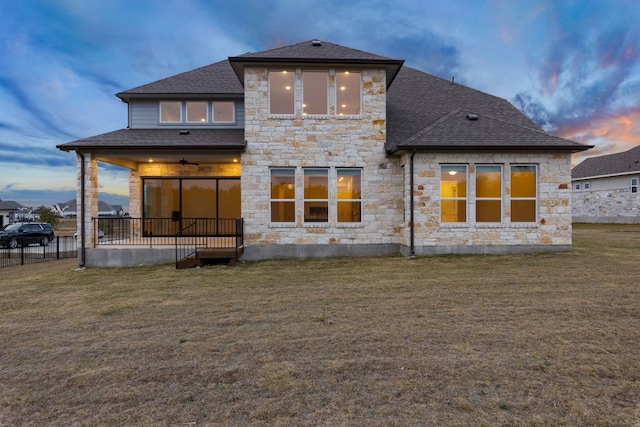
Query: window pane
point(196, 111)
point(488, 210)
point(523, 211)
point(523, 181)
point(488, 181)
point(454, 210)
point(199, 198)
point(229, 198)
point(316, 184)
point(283, 188)
point(282, 183)
point(223, 111)
point(170, 111)
point(315, 87)
point(281, 92)
point(349, 211)
point(349, 183)
point(283, 212)
point(348, 92)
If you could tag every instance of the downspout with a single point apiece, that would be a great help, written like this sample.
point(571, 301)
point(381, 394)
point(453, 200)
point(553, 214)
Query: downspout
point(412, 249)
point(82, 213)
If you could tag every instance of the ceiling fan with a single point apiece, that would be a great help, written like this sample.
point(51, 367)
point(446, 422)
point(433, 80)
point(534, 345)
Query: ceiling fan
point(186, 162)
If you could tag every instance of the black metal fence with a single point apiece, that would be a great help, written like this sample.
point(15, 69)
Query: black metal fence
point(59, 248)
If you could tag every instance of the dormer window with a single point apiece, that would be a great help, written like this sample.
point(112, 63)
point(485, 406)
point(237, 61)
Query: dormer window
point(281, 92)
point(170, 112)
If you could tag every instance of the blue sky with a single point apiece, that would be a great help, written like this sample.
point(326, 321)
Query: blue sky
point(572, 66)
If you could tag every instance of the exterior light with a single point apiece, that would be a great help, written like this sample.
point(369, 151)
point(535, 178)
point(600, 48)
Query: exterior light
point(452, 173)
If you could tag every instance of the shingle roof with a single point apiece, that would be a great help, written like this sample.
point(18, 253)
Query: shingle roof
point(316, 52)
point(610, 164)
point(212, 79)
point(162, 138)
point(427, 112)
point(10, 204)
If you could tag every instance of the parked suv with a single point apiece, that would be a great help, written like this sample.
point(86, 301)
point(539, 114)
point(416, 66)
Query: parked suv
point(26, 233)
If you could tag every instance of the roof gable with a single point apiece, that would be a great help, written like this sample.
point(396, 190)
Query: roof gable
point(609, 164)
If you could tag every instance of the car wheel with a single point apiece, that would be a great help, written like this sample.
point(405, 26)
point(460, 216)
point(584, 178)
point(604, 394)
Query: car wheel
point(13, 243)
point(44, 241)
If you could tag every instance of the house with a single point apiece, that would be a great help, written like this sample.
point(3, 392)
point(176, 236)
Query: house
point(324, 150)
point(605, 188)
point(11, 211)
point(70, 209)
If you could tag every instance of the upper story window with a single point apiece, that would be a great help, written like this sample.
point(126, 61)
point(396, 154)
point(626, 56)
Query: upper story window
point(489, 193)
point(523, 193)
point(315, 92)
point(453, 193)
point(223, 112)
point(348, 92)
point(170, 111)
point(281, 91)
point(634, 185)
point(577, 186)
point(196, 111)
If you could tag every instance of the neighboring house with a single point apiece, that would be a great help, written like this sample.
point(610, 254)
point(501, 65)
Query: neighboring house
point(324, 150)
point(70, 209)
point(11, 211)
point(605, 188)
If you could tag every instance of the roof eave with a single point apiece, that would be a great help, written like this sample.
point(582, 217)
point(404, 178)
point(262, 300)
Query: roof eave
point(77, 147)
point(555, 148)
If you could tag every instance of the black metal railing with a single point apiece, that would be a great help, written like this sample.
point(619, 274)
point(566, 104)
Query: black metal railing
point(60, 247)
point(209, 233)
point(152, 232)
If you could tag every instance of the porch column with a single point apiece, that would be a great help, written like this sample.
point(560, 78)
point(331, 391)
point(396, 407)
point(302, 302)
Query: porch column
point(135, 202)
point(87, 181)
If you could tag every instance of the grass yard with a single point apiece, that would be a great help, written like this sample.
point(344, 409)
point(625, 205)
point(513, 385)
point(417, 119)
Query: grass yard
point(539, 340)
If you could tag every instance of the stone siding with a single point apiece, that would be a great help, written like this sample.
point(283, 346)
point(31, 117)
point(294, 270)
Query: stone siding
point(619, 206)
point(552, 230)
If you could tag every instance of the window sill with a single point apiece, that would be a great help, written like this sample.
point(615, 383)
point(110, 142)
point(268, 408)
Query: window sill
point(315, 224)
point(349, 225)
point(282, 225)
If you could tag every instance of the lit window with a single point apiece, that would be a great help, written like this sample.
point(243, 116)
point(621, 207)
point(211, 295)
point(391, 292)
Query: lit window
point(316, 195)
point(170, 111)
point(349, 192)
point(283, 195)
point(196, 111)
point(223, 112)
point(453, 193)
point(348, 93)
point(315, 91)
point(489, 193)
point(523, 193)
point(281, 90)
point(634, 185)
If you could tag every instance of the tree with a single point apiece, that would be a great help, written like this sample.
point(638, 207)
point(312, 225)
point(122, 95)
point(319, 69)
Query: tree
point(48, 215)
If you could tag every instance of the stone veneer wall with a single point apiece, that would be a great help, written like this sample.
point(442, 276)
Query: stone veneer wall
point(90, 196)
point(551, 232)
point(294, 141)
point(619, 206)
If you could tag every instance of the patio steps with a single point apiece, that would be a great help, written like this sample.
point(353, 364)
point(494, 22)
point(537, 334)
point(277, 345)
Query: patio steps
point(201, 256)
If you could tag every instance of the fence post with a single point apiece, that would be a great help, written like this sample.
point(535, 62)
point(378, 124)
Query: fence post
point(22, 254)
point(57, 247)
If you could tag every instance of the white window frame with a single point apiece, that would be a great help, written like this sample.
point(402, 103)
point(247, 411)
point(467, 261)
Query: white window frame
point(291, 200)
point(337, 92)
point(443, 167)
point(213, 112)
point(160, 111)
point(326, 170)
point(293, 89)
point(577, 186)
point(338, 200)
point(326, 111)
point(634, 185)
point(587, 185)
point(534, 198)
point(500, 198)
point(206, 112)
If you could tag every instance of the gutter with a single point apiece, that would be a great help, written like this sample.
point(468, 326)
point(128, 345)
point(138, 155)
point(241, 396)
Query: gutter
point(412, 249)
point(82, 213)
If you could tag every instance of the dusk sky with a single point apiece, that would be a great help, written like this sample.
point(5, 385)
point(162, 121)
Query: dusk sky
point(572, 66)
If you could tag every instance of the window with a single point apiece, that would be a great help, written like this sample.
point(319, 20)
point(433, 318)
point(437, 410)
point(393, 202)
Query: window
point(453, 193)
point(489, 193)
point(281, 85)
point(315, 92)
point(316, 195)
point(349, 193)
point(577, 187)
point(170, 111)
point(196, 111)
point(634, 185)
point(223, 112)
point(348, 93)
point(283, 195)
point(523, 193)
point(587, 185)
